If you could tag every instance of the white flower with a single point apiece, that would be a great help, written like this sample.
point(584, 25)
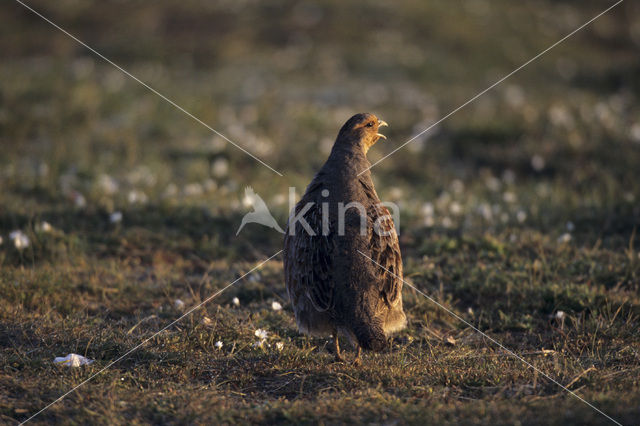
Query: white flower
point(45, 227)
point(136, 196)
point(446, 222)
point(521, 216)
point(72, 360)
point(395, 193)
point(427, 209)
point(564, 238)
point(20, 239)
point(236, 301)
point(276, 306)
point(193, 189)
point(509, 197)
point(560, 315)
point(493, 183)
point(560, 116)
point(485, 210)
point(509, 176)
point(78, 199)
point(210, 185)
point(115, 217)
point(457, 186)
point(514, 95)
point(279, 346)
point(455, 208)
point(218, 345)
point(171, 190)
point(261, 334)
point(178, 304)
point(537, 162)
point(429, 221)
point(220, 168)
point(443, 200)
point(634, 132)
point(108, 184)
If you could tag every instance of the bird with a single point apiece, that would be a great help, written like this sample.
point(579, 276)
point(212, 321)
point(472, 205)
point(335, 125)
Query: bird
point(342, 259)
point(260, 213)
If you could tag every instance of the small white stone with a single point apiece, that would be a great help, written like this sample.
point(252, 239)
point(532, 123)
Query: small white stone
point(72, 360)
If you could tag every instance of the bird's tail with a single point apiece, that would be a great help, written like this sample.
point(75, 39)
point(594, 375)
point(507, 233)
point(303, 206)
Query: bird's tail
point(370, 336)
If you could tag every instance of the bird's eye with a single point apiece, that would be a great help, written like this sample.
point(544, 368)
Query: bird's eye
point(370, 124)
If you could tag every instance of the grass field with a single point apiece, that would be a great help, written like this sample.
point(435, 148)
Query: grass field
point(519, 213)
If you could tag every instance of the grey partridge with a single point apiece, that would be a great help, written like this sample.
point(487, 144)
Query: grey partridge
point(333, 234)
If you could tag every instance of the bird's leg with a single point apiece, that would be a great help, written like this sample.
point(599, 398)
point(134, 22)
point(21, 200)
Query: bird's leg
point(358, 361)
point(337, 346)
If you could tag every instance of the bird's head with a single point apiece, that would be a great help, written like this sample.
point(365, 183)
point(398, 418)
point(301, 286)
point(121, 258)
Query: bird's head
point(362, 130)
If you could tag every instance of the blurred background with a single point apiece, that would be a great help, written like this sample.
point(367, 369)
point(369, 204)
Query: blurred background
point(557, 142)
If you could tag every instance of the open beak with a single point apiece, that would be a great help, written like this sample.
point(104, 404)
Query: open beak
point(382, 123)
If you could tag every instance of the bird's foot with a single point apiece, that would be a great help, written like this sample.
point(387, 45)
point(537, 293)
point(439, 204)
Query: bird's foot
point(358, 361)
point(339, 359)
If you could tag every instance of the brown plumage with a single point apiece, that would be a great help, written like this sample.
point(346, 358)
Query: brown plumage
point(334, 288)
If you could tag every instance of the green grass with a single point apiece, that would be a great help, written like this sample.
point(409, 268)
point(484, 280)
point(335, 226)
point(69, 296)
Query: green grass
point(485, 231)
